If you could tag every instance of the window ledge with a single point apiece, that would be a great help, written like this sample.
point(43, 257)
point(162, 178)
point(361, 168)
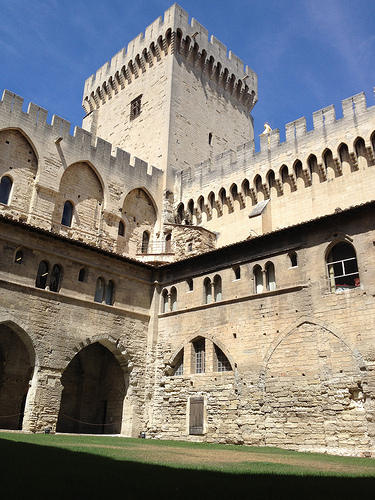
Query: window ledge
point(278, 291)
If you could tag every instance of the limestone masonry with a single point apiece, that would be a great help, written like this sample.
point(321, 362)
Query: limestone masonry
point(158, 275)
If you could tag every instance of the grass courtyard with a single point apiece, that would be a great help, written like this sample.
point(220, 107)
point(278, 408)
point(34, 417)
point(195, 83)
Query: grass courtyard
point(89, 467)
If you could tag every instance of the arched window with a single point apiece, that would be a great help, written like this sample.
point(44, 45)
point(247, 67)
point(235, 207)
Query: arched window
point(18, 257)
point(41, 277)
point(82, 274)
point(173, 299)
point(190, 284)
point(5, 189)
point(293, 259)
point(207, 291)
point(180, 214)
point(121, 228)
point(168, 243)
point(54, 284)
point(217, 288)
point(258, 279)
point(99, 290)
point(222, 362)
point(109, 289)
point(199, 350)
point(270, 276)
point(145, 241)
point(179, 366)
point(165, 304)
point(342, 267)
point(67, 215)
point(237, 273)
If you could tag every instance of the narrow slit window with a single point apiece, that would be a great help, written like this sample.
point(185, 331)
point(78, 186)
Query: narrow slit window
point(54, 284)
point(99, 290)
point(67, 215)
point(42, 275)
point(5, 189)
point(109, 290)
point(135, 107)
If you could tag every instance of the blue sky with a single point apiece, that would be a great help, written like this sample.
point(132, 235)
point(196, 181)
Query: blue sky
point(307, 54)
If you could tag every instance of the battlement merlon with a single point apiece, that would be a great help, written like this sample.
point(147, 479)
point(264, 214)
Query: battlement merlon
point(245, 160)
point(176, 20)
point(80, 146)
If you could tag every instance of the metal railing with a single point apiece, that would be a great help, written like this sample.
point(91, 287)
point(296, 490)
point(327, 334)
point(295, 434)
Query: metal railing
point(155, 247)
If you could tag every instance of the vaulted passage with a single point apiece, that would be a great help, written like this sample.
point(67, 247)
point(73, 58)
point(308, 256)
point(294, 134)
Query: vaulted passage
point(93, 394)
point(16, 369)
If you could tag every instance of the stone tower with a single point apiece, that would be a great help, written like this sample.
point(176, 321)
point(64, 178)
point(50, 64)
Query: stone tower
point(168, 97)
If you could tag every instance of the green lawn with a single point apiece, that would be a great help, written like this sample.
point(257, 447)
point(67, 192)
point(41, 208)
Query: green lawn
point(88, 467)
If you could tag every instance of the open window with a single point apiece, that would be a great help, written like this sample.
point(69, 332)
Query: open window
point(258, 279)
point(342, 267)
point(173, 299)
point(270, 277)
point(217, 288)
point(109, 291)
point(207, 291)
point(6, 184)
point(67, 216)
point(164, 301)
point(99, 290)
point(145, 242)
point(42, 275)
point(55, 281)
point(121, 228)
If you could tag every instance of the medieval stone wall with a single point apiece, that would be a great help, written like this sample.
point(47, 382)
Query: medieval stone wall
point(54, 327)
point(48, 166)
point(301, 355)
point(311, 174)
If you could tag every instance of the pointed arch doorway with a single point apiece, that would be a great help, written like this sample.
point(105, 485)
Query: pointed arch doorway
point(17, 361)
point(94, 388)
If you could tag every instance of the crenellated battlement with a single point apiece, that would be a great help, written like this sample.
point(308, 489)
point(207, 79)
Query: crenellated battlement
point(300, 143)
point(172, 35)
point(81, 144)
point(335, 159)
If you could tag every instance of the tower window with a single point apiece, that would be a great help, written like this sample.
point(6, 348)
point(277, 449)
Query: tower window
point(210, 139)
point(18, 257)
point(54, 284)
point(135, 107)
point(67, 215)
point(121, 228)
point(5, 188)
point(82, 275)
point(41, 278)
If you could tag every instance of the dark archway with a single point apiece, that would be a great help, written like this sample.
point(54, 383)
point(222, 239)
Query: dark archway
point(93, 394)
point(16, 370)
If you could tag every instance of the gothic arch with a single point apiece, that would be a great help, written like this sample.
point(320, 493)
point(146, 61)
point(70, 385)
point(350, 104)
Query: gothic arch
point(116, 347)
point(26, 137)
point(17, 371)
point(292, 328)
point(176, 353)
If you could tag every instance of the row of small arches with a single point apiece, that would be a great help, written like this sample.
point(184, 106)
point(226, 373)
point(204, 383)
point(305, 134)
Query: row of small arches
point(293, 178)
point(104, 292)
point(264, 279)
